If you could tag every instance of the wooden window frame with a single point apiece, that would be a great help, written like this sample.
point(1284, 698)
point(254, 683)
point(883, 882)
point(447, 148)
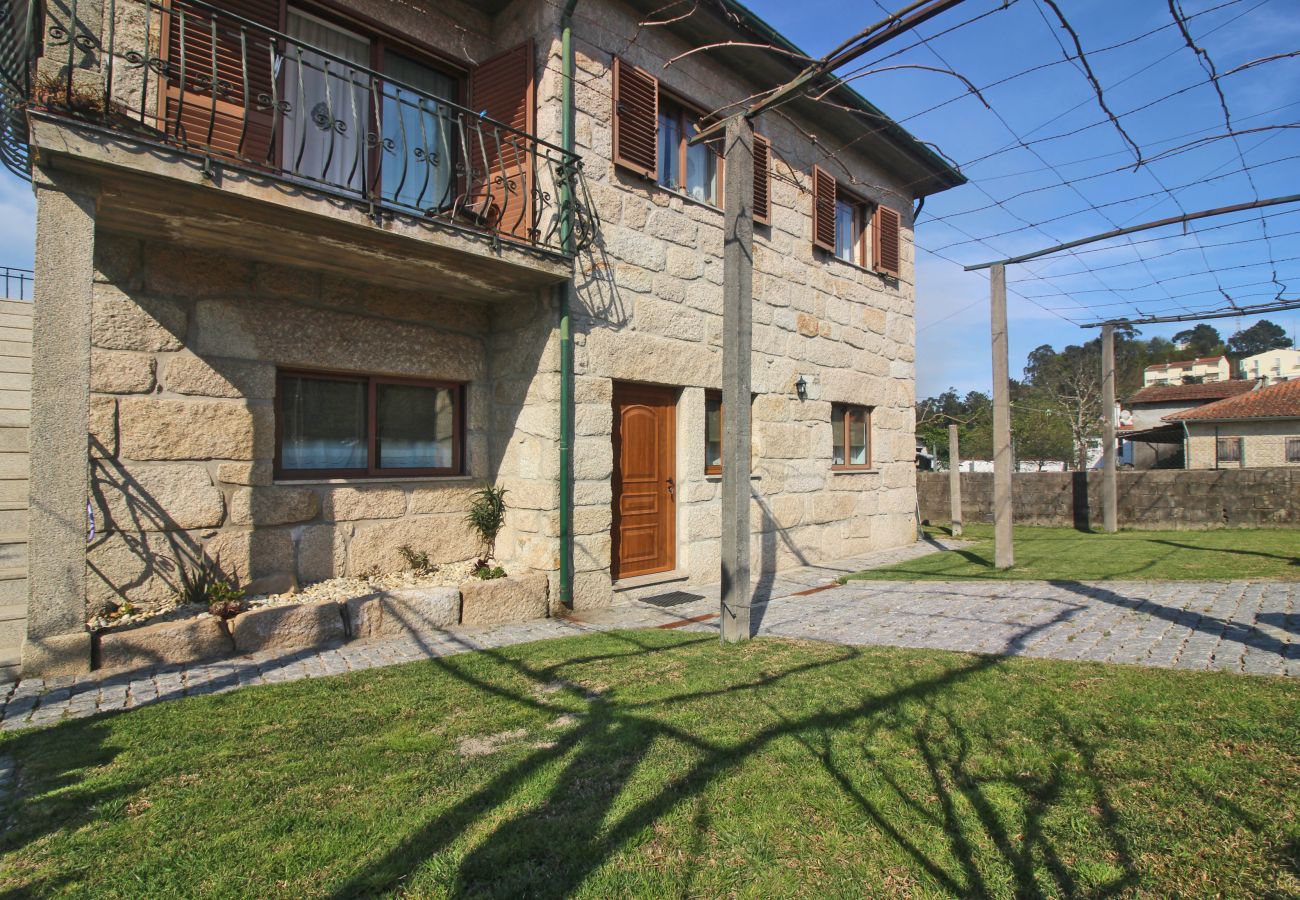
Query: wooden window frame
point(847, 466)
point(864, 211)
point(686, 113)
point(1292, 450)
point(711, 394)
point(1219, 458)
point(372, 383)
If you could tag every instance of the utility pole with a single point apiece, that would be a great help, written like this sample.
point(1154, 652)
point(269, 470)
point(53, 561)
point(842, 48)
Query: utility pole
point(1004, 551)
point(1109, 499)
point(737, 339)
point(954, 479)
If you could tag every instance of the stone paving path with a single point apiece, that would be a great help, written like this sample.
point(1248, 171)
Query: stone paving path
point(1247, 627)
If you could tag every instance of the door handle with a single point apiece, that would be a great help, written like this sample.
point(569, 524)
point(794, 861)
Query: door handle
point(671, 491)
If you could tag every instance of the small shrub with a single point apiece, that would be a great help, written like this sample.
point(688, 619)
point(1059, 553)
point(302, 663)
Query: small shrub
point(417, 562)
point(487, 516)
point(206, 585)
point(487, 573)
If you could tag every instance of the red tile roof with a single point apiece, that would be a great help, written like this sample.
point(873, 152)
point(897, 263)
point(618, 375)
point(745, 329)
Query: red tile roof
point(1173, 393)
point(1280, 401)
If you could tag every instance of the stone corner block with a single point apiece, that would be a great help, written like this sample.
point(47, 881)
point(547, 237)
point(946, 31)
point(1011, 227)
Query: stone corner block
point(166, 643)
point(511, 599)
point(408, 611)
point(287, 627)
point(57, 654)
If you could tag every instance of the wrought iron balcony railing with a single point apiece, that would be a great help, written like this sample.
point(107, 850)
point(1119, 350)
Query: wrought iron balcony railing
point(190, 75)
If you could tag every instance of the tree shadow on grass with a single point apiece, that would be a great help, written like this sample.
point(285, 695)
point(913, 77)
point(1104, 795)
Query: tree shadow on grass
point(551, 847)
point(1290, 560)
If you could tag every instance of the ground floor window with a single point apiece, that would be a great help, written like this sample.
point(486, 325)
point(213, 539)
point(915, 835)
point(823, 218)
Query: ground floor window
point(1293, 450)
point(1228, 450)
point(349, 426)
point(713, 432)
point(850, 436)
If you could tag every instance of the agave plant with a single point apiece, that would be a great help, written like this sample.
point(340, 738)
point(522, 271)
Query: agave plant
point(204, 584)
point(487, 516)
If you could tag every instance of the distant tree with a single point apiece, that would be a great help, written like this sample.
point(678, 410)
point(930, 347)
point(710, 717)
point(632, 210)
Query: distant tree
point(1039, 430)
point(971, 414)
point(1203, 340)
point(1070, 380)
point(1258, 338)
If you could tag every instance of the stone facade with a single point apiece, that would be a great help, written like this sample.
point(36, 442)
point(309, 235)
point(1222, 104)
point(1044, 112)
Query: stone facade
point(188, 330)
point(1153, 499)
point(185, 347)
point(1263, 443)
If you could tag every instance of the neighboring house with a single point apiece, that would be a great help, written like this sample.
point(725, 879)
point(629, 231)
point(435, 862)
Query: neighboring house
point(302, 298)
point(1152, 443)
point(1252, 430)
point(1272, 366)
point(1204, 368)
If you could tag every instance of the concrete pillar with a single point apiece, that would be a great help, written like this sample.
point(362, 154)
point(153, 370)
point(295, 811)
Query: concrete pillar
point(737, 339)
point(1109, 496)
point(1004, 551)
point(57, 641)
point(954, 479)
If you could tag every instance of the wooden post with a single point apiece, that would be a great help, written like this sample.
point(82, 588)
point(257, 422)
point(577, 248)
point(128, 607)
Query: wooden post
point(737, 338)
point(954, 479)
point(1109, 498)
point(1004, 551)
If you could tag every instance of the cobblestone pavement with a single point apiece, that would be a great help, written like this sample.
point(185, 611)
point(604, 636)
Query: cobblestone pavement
point(1249, 627)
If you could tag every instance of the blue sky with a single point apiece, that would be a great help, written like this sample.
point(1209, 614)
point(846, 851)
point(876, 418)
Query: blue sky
point(1168, 272)
point(1056, 111)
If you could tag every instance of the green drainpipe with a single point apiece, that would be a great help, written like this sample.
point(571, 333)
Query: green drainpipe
point(566, 325)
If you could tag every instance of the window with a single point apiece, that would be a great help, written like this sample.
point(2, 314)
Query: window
point(363, 426)
point(1293, 449)
point(850, 230)
point(1227, 450)
point(850, 437)
point(650, 133)
point(690, 168)
point(712, 432)
point(844, 223)
point(417, 172)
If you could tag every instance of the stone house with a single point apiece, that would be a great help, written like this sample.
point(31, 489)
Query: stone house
point(309, 272)
point(1256, 429)
point(1150, 442)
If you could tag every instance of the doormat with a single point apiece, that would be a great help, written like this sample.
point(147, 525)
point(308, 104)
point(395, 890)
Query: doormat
point(672, 598)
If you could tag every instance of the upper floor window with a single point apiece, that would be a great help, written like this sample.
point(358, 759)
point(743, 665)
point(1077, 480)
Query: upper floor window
point(690, 168)
point(651, 131)
point(850, 230)
point(854, 230)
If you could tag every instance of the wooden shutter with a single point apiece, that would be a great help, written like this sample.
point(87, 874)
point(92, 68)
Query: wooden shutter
point(636, 119)
point(236, 121)
point(887, 242)
point(762, 180)
point(500, 192)
point(823, 209)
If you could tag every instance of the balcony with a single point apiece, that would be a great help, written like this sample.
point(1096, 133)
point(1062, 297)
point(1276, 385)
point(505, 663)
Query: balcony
point(141, 85)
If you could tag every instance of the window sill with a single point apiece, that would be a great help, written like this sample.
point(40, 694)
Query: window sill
point(852, 265)
point(361, 479)
point(688, 198)
point(717, 477)
point(855, 471)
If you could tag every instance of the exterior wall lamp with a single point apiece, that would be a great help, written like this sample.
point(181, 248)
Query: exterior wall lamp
point(801, 388)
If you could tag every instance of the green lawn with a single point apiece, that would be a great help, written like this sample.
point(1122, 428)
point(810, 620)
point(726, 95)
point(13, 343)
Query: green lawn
point(661, 764)
point(1064, 554)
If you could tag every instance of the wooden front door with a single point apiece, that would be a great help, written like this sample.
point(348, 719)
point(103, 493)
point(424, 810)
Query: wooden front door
point(645, 489)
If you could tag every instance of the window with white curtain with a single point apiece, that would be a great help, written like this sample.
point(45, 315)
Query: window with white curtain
point(329, 99)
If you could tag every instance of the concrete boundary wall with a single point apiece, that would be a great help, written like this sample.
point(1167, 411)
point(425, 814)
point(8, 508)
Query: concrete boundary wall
point(1157, 498)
